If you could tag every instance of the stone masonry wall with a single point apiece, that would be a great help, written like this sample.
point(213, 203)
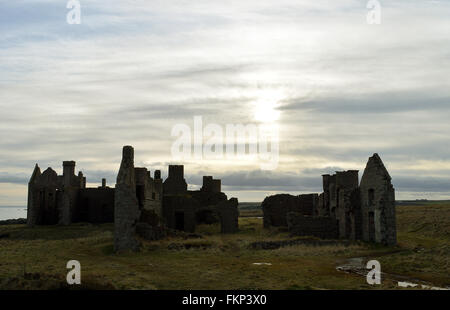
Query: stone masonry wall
point(302, 225)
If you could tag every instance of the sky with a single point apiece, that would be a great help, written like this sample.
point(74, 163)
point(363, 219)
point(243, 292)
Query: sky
point(337, 88)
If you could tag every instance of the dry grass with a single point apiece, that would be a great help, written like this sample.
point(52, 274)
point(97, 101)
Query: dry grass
point(36, 257)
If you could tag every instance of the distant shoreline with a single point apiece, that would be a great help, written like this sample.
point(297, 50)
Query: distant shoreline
point(13, 221)
point(243, 206)
point(12, 212)
point(245, 203)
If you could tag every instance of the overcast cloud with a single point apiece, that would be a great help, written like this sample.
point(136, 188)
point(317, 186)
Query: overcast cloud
point(133, 69)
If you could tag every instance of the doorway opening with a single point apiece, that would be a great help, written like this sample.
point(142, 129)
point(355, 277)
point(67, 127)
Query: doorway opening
point(179, 221)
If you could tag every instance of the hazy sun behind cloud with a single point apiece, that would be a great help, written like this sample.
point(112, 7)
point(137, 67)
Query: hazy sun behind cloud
point(266, 104)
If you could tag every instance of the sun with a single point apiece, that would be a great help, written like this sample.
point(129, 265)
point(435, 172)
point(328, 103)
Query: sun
point(266, 104)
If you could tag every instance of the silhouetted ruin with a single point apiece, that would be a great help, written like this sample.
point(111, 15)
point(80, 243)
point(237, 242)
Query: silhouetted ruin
point(64, 199)
point(184, 209)
point(143, 205)
point(138, 205)
point(127, 203)
point(345, 209)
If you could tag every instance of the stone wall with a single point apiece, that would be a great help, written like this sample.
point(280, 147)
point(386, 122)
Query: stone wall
point(148, 191)
point(308, 203)
point(229, 215)
point(276, 207)
point(95, 205)
point(179, 212)
point(303, 225)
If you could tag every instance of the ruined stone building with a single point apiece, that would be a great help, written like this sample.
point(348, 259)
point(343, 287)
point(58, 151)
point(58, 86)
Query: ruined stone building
point(346, 209)
point(64, 199)
point(184, 209)
point(146, 206)
point(138, 204)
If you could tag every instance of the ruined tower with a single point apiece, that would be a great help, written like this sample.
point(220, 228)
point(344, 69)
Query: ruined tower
point(126, 207)
point(348, 204)
point(33, 197)
point(67, 197)
point(377, 203)
point(211, 185)
point(175, 184)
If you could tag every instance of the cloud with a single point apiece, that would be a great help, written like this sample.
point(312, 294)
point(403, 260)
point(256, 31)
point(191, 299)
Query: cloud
point(378, 103)
point(132, 70)
point(15, 179)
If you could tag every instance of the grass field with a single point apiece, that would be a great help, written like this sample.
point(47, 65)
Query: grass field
point(35, 258)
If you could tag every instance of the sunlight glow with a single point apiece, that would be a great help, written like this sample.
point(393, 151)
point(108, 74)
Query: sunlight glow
point(265, 106)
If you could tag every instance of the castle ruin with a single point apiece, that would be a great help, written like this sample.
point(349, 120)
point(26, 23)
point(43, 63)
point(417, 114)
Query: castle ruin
point(64, 199)
point(139, 204)
point(145, 206)
point(346, 209)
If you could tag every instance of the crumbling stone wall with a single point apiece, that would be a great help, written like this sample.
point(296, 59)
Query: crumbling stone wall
point(95, 205)
point(276, 207)
point(325, 209)
point(332, 195)
point(182, 213)
point(304, 225)
point(126, 207)
point(229, 215)
point(347, 203)
point(322, 208)
point(149, 192)
point(308, 203)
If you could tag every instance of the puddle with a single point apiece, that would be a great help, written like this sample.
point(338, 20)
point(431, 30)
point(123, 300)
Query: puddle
point(259, 264)
point(423, 286)
point(357, 265)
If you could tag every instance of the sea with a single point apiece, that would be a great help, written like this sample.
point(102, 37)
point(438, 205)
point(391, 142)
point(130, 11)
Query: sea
point(7, 213)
